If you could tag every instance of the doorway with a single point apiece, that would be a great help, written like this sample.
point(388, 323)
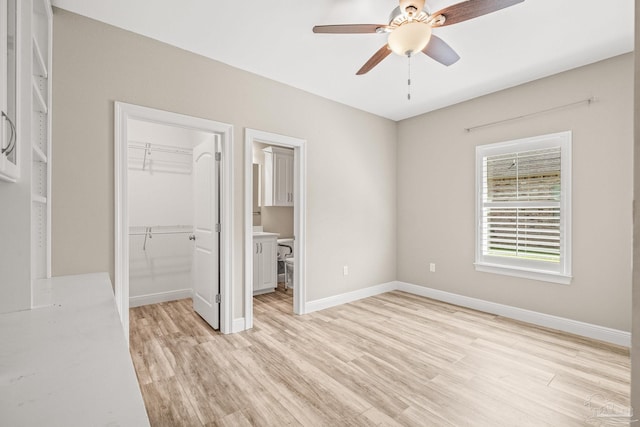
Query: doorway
point(297, 199)
point(208, 163)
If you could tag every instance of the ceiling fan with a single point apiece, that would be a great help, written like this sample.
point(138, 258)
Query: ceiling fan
point(410, 26)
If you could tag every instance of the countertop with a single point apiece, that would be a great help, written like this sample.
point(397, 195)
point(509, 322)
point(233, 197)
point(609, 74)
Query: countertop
point(264, 234)
point(67, 363)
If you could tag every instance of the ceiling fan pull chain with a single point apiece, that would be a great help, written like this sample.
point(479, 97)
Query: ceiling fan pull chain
point(409, 79)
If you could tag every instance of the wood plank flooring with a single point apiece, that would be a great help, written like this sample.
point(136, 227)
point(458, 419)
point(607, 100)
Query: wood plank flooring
point(395, 360)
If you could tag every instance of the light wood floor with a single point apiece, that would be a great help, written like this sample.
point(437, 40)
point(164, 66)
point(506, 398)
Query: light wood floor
point(393, 359)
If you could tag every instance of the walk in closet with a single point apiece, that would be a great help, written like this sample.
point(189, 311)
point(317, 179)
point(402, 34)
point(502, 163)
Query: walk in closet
point(161, 199)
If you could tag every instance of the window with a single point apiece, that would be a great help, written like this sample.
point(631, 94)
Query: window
point(523, 208)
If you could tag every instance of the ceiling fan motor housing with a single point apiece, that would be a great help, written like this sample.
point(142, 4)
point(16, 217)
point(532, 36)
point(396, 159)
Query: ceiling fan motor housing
point(411, 7)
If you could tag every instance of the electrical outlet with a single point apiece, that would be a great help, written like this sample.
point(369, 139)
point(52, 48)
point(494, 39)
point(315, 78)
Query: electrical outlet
point(432, 267)
point(345, 270)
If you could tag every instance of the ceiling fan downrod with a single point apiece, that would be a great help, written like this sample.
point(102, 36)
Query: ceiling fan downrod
point(409, 78)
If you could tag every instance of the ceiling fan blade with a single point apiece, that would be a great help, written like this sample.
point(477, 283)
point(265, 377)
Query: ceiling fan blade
point(347, 28)
point(470, 9)
point(440, 51)
point(382, 53)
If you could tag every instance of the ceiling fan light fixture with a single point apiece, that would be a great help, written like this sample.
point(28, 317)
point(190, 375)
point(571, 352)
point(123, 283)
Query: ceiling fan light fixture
point(410, 38)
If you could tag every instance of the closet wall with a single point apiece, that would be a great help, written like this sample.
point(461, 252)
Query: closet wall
point(160, 211)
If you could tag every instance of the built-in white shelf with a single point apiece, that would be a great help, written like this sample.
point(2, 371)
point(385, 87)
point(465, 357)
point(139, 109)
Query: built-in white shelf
point(40, 67)
point(39, 102)
point(39, 199)
point(38, 155)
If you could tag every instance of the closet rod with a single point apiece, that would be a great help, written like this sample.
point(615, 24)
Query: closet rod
point(148, 233)
point(181, 227)
point(141, 145)
point(587, 101)
point(160, 232)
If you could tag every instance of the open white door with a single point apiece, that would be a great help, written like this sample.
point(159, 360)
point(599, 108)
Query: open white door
point(206, 277)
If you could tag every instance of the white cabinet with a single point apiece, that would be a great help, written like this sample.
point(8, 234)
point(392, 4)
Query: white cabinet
point(278, 176)
point(265, 264)
point(9, 142)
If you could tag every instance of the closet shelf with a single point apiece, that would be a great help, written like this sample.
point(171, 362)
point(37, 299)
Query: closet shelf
point(39, 199)
point(39, 60)
point(40, 104)
point(140, 145)
point(38, 155)
point(141, 230)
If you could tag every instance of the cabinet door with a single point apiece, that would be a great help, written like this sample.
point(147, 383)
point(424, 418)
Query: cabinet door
point(270, 263)
point(264, 264)
point(9, 170)
point(257, 267)
point(278, 177)
point(289, 180)
point(283, 165)
point(281, 169)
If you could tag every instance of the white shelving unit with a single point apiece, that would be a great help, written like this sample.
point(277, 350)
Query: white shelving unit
point(41, 47)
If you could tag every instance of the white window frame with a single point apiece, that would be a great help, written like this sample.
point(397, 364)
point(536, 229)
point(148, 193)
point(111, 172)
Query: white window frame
point(537, 270)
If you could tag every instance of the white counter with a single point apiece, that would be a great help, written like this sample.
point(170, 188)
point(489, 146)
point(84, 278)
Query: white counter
point(264, 234)
point(67, 364)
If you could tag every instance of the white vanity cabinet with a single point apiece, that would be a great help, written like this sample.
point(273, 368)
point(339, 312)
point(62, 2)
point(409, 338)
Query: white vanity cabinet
point(278, 176)
point(265, 265)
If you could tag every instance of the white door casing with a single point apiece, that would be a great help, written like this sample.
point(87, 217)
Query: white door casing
point(205, 229)
point(122, 114)
point(299, 197)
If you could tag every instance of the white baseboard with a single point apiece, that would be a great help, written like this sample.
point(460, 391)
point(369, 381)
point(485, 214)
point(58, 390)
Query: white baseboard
point(159, 297)
point(589, 330)
point(333, 301)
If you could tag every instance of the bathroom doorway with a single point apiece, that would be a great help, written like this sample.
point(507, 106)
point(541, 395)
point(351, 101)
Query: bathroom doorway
point(275, 202)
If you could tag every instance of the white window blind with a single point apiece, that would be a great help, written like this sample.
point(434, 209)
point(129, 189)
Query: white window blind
point(522, 207)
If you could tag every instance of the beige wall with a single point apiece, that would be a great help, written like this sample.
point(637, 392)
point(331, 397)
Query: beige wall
point(96, 64)
point(436, 180)
point(278, 219)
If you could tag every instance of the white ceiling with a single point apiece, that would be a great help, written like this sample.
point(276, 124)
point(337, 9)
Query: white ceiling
point(273, 38)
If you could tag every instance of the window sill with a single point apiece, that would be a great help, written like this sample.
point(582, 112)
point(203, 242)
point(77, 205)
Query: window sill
point(541, 275)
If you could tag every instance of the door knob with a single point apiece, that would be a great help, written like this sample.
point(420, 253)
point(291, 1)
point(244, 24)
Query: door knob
point(192, 237)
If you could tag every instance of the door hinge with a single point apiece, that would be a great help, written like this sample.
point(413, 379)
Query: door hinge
point(218, 156)
point(218, 299)
point(218, 228)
